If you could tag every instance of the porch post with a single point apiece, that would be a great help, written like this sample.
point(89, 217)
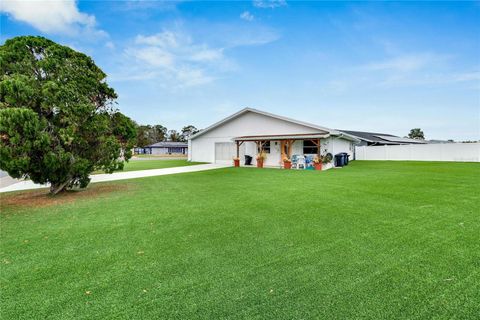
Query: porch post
point(290, 142)
point(238, 149)
point(318, 147)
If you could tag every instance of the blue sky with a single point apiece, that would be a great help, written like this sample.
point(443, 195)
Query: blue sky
point(373, 66)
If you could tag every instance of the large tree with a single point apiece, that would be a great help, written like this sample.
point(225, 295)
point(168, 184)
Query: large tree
point(144, 136)
point(173, 135)
point(147, 134)
point(416, 133)
point(58, 122)
point(188, 131)
point(159, 133)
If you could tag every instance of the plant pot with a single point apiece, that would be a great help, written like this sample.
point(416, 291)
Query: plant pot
point(236, 162)
point(318, 166)
point(259, 163)
point(287, 165)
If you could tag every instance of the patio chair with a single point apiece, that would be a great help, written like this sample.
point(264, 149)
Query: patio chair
point(294, 160)
point(308, 161)
point(300, 162)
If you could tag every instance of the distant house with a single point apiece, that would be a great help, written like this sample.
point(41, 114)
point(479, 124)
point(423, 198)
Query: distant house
point(380, 139)
point(164, 147)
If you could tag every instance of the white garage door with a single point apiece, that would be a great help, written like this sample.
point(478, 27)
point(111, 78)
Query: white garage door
point(224, 152)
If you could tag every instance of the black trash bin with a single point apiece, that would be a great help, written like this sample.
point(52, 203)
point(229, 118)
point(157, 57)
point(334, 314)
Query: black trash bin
point(345, 158)
point(339, 160)
point(248, 160)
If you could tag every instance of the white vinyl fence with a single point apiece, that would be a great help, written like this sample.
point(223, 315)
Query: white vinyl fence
point(463, 152)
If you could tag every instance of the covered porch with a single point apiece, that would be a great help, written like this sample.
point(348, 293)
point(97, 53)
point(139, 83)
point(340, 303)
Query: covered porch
point(277, 148)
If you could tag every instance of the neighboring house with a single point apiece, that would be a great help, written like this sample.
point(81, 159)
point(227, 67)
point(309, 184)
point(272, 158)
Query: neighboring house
point(165, 147)
point(380, 139)
point(249, 131)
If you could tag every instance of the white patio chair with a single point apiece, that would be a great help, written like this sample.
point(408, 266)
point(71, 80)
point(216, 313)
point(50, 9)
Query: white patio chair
point(294, 160)
point(300, 162)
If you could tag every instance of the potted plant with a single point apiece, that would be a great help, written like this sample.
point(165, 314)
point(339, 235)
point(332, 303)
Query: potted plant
point(260, 158)
point(236, 162)
point(317, 162)
point(287, 163)
point(327, 158)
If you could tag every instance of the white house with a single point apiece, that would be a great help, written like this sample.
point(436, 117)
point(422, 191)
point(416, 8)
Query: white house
point(165, 147)
point(249, 131)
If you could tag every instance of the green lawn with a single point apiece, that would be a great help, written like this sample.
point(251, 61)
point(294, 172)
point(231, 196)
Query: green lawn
point(135, 165)
point(374, 240)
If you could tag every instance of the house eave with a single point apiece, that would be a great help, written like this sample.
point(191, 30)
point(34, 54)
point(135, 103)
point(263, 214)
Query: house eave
point(303, 136)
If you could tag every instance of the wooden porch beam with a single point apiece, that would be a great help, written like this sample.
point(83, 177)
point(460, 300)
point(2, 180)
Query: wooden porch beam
point(260, 144)
point(289, 147)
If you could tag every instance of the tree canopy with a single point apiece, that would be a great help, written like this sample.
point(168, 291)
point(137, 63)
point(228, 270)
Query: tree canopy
point(174, 135)
point(416, 133)
point(147, 134)
point(58, 122)
point(188, 131)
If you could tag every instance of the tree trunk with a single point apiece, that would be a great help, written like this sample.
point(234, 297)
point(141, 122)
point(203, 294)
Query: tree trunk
point(56, 188)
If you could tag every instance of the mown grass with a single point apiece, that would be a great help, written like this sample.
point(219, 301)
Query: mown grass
point(374, 240)
point(135, 165)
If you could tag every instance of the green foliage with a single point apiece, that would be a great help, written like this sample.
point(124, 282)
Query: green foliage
point(147, 134)
point(174, 135)
point(57, 120)
point(416, 133)
point(188, 131)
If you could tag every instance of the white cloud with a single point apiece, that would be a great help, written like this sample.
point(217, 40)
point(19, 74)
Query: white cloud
point(204, 54)
point(153, 56)
point(110, 45)
point(168, 43)
point(192, 77)
point(405, 63)
point(173, 57)
point(269, 4)
point(467, 76)
point(411, 70)
point(129, 5)
point(247, 35)
point(175, 60)
point(246, 16)
point(163, 39)
point(58, 17)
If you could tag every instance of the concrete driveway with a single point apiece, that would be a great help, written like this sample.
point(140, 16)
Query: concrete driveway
point(27, 185)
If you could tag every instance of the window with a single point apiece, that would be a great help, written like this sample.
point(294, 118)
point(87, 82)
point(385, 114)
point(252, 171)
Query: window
point(309, 147)
point(266, 147)
point(175, 150)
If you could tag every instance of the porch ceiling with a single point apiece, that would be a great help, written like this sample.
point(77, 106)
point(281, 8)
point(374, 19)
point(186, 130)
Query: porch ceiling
point(300, 136)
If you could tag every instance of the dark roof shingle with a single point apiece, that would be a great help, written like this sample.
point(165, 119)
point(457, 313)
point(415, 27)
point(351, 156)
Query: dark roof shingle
point(168, 144)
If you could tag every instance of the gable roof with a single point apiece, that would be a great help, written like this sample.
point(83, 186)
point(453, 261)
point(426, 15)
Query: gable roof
point(271, 115)
point(383, 138)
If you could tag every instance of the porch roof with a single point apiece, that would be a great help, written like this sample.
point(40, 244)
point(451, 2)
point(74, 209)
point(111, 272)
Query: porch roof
point(296, 136)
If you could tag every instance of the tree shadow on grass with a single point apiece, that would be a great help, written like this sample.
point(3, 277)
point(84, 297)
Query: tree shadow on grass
point(41, 198)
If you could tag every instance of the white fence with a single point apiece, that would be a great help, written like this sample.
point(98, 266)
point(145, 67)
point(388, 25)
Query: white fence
point(464, 152)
